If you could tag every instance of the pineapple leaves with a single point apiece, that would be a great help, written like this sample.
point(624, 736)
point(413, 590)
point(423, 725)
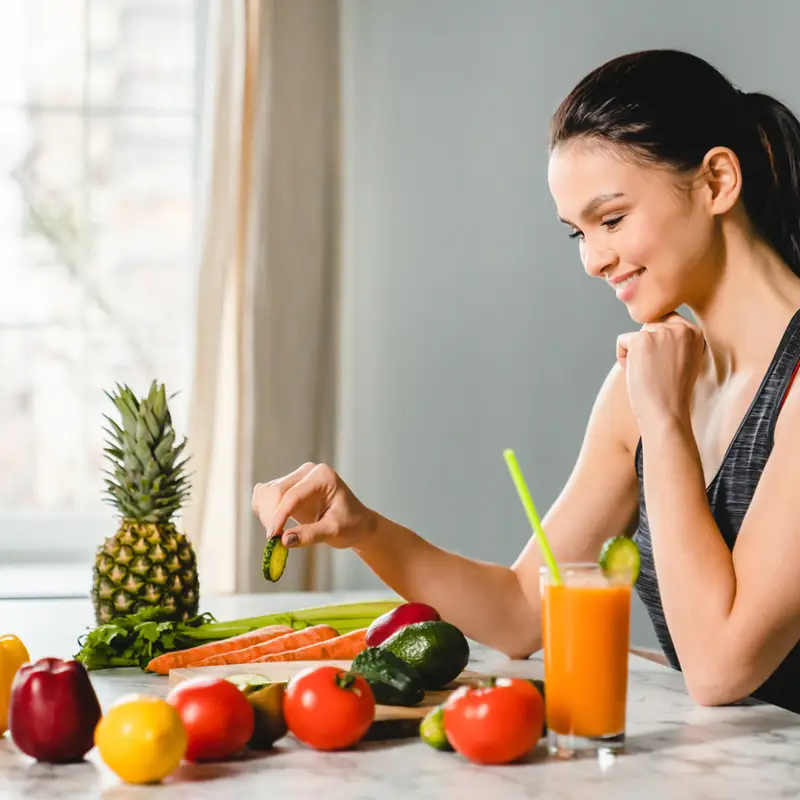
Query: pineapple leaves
point(146, 480)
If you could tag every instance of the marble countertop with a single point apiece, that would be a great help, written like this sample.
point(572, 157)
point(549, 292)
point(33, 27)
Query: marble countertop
point(675, 748)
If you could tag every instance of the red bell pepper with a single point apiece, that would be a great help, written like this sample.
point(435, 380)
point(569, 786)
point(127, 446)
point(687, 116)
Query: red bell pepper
point(53, 711)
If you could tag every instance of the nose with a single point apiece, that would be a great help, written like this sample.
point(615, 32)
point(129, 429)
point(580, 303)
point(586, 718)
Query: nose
point(597, 259)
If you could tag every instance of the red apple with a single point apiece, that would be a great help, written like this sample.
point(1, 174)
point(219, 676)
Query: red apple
point(53, 710)
point(384, 626)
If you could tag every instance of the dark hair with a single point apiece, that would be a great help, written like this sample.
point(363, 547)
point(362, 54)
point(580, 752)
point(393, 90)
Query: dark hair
point(670, 107)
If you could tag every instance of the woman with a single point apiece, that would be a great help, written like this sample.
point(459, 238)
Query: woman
point(681, 190)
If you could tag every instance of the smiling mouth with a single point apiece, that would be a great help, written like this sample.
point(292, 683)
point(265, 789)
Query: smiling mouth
point(619, 285)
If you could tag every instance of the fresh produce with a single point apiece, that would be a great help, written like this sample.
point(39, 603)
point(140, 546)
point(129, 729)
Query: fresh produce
point(397, 618)
point(392, 680)
point(620, 553)
point(195, 655)
point(219, 720)
point(248, 681)
point(342, 648)
point(273, 563)
point(327, 708)
point(12, 656)
point(270, 723)
point(148, 563)
point(431, 729)
point(276, 646)
point(437, 650)
point(496, 723)
point(136, 639)
point(53, 711)
point(142, 739)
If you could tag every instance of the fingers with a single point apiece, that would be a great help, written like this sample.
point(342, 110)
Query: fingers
point(298, 495)
point(307, 535)
point(266, 496)
point(624, 342)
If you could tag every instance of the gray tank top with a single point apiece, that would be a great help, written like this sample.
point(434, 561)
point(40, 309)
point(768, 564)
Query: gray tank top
point(729, 496)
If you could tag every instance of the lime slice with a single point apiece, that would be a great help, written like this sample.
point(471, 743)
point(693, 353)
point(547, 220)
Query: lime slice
point(432, 732)
point(620, 553)
point(247, 679)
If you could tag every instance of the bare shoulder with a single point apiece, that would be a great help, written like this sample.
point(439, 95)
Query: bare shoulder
point(612, 411)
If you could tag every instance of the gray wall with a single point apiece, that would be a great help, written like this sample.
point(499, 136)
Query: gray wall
point(469, 323)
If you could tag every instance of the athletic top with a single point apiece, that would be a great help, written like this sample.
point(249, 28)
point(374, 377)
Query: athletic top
point(729, 496)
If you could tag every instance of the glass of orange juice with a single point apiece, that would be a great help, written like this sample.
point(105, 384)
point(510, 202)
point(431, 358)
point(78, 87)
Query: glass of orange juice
point(586, 627)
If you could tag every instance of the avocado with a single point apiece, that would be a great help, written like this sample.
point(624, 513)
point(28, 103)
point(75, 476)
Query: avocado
point(269, 723)
point(437, 650)
point(392, 680)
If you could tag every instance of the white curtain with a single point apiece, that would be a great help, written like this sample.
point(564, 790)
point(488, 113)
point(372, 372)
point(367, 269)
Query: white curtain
point(267, 300)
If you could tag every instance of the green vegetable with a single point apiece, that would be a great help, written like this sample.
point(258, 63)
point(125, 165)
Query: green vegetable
point(437, 650)
point(432, 732)
point(392, 680)
point(274, 560)
point(247, 682)
point(135, 639)
point(620, 553)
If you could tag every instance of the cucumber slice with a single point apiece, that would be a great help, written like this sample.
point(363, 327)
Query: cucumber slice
point(274, 561)
point(620, 553)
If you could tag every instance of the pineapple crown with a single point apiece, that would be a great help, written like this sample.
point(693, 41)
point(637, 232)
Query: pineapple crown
point(147, 481)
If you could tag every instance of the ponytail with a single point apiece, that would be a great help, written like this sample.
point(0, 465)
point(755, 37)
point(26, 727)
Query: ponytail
point(776, 213)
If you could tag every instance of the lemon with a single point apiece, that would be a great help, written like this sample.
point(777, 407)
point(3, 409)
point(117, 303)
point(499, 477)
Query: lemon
point(142, 739)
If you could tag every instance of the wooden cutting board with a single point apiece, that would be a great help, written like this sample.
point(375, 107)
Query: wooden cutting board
point(277, 671)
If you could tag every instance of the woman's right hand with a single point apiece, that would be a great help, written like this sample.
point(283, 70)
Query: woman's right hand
point(320, 501)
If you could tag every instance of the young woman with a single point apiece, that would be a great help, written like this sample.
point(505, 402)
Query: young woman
point(680, 190)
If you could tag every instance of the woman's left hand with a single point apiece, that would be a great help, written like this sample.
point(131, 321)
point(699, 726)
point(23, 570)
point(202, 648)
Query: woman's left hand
point(662, 362)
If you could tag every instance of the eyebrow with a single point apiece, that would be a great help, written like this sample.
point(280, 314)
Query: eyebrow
point(594, 204)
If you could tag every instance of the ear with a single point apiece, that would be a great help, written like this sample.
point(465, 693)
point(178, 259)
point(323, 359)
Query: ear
point(722, 174)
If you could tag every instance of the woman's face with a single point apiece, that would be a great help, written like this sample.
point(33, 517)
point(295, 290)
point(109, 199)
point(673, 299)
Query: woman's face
point(646, 234)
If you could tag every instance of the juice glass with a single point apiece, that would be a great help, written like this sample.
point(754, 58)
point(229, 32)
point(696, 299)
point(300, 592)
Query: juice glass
point(585, 627)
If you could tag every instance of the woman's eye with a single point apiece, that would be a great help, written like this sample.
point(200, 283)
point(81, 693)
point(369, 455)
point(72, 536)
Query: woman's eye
point(612, 223)
point(576, 235)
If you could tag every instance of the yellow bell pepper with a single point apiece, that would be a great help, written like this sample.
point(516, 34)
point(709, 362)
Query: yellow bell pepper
point(13, 655)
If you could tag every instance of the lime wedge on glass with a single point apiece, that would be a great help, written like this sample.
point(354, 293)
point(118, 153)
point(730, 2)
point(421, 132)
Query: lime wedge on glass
point(620, 553)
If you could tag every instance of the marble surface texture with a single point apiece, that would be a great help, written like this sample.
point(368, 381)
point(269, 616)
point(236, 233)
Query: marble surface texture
point(675, 748)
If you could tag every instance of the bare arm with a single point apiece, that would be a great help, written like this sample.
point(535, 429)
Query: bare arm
point(495, 605)
point(733, 616)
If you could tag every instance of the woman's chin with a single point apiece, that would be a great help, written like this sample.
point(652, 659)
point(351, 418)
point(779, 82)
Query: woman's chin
point(642, 313)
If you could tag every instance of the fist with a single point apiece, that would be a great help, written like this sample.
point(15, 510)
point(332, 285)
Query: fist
point(662, 362)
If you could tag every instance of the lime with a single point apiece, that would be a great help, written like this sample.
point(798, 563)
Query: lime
point(248, 680)
point(431, 730)
point(620, 553)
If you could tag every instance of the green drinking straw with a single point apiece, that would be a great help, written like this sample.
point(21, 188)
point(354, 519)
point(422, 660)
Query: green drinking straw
point(530, 510)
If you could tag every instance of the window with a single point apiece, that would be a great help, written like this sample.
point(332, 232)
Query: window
point(97, 149)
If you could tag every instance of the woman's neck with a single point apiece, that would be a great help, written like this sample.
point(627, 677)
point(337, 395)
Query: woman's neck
point(745, 315)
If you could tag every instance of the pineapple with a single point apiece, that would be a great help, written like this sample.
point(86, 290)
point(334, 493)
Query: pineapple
point(148, 563)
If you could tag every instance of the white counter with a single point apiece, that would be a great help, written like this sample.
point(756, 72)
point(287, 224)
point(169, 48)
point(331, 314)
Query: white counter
point(676, 750)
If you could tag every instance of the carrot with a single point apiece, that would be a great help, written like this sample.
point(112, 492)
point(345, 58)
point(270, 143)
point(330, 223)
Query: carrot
point(190, 656)
point(289, 641)
point(342, 647)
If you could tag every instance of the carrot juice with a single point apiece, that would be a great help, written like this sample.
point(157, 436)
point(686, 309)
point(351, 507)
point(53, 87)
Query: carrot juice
point(585, 624)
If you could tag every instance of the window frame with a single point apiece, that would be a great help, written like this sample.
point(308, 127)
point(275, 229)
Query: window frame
point(29, 537)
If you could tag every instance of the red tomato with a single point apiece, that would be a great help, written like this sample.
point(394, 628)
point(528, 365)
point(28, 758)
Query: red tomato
point(218, 718)
point(328, 708)
point(495, 723)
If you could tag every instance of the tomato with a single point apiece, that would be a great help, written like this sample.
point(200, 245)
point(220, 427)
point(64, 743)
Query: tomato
point(218, 718)
point(494, 723)
point(328, 708)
